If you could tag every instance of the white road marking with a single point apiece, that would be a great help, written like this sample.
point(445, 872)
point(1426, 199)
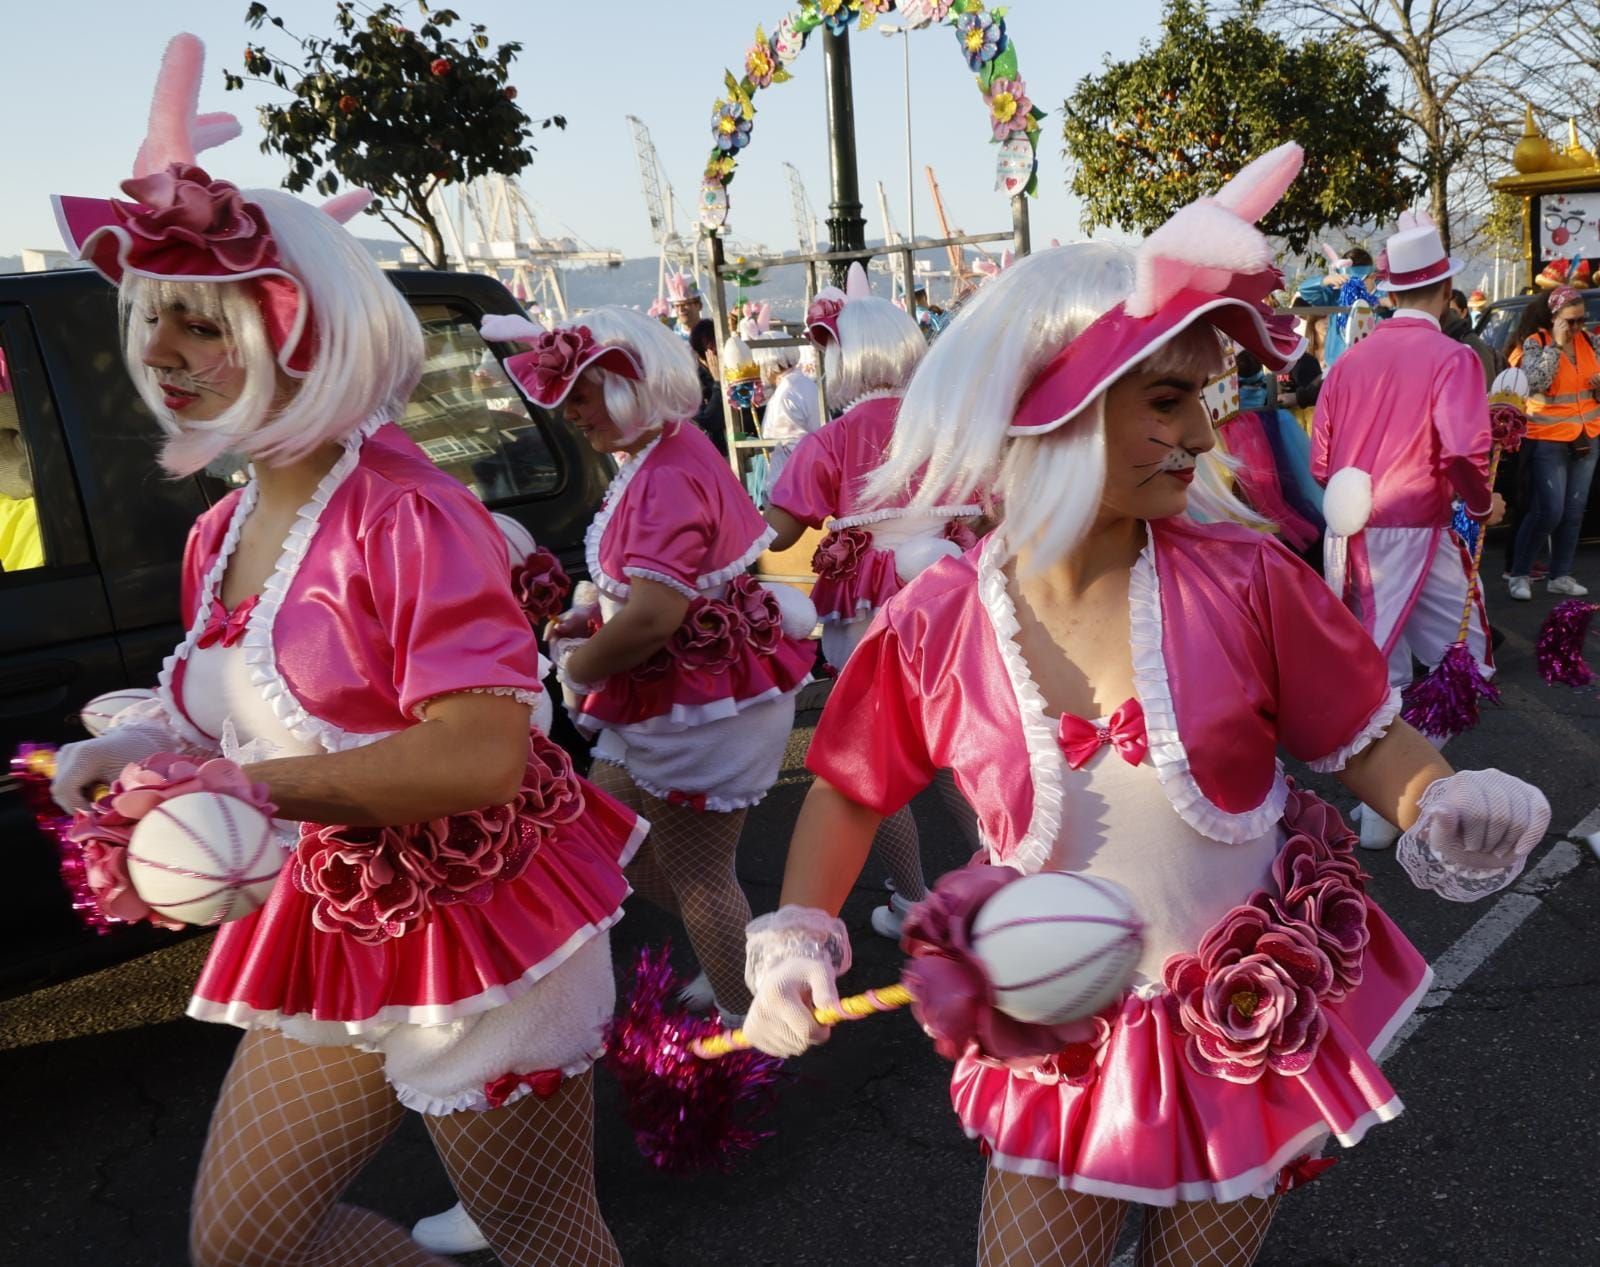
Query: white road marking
point(1472, 949)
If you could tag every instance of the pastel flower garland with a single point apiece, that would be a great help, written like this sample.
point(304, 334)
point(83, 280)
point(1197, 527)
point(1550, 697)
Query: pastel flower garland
point(981, 34)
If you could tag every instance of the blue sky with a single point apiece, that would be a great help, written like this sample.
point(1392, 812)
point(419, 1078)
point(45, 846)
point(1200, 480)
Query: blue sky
point(77, 80)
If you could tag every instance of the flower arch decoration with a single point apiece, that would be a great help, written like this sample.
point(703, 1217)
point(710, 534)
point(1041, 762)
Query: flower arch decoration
point(981, 37)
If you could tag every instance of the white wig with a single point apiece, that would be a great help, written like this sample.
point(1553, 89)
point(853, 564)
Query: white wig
point(670, 388)
point(963, 398)
point(877, 349)
point(368, 351)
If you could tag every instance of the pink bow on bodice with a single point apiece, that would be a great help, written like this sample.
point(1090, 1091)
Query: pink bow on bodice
point(1124, 731)
point(224, 626)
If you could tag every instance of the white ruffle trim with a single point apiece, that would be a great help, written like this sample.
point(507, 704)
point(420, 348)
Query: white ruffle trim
point(259, 655)
point(903, 512)
point(520, 694)
point(1377, 726)
point(714, 804)
point(671, 582)
point(1427, 870)
point(1167, 752)
point(1045, 762)
point(876, 393)
point(474, 1100)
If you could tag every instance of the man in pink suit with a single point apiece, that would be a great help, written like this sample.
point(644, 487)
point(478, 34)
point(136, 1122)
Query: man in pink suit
point(1401, 431)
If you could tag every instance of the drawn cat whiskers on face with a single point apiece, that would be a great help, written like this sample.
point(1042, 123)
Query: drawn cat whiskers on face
point(1176, 458)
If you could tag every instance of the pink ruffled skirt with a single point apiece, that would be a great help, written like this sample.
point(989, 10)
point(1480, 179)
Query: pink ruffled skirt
point(872, 584)
point(460, 960)
point(677, 696)
point(1139, 1121)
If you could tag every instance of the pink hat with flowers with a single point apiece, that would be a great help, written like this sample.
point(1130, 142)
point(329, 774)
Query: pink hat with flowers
point(183, 226)
point(555, 359)
point(1207, 263)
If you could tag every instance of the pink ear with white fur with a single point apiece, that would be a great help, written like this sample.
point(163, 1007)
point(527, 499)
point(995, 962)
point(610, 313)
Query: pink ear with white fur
point(856, 285)
point(168, 138)
point(347, 206)
point(212, 130)
point(1259, 185)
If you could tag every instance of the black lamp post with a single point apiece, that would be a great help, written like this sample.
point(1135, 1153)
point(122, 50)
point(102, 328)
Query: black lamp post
point(846, 227)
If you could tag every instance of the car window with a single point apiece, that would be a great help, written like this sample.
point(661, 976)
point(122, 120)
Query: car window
point(21, 543)
point(1500, 326)
point(470, 420)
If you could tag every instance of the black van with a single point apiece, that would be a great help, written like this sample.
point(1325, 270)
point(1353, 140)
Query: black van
point(102, 610)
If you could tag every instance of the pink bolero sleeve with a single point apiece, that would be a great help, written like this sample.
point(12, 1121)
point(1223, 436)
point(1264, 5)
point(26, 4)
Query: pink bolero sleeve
point(871, 743)
point(441, 590)
point(808, 487)
point(1461, 422)
point(669, 529)
point(1332, 694)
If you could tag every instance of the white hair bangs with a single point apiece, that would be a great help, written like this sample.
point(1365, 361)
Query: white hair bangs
point(670, 388)
point(877, 349)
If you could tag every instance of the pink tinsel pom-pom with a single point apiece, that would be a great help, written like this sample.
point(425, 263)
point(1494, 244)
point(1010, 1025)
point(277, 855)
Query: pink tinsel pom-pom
point(1560, 644)
point(686, 1114)
point(1445, 703)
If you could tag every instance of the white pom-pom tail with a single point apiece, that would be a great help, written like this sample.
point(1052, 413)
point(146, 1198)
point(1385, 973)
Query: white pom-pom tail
point(1347, 504)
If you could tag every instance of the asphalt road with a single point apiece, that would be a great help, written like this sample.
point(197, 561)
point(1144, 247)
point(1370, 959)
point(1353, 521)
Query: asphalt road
point(105, 1089)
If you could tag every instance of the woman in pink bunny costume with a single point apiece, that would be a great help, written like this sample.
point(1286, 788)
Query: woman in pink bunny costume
point(1111, 681)
point(687, 668)
point(869, 350)
point(437, 936)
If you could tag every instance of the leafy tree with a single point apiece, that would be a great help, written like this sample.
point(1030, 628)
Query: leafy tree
point(1147, 136)
point(395, 111)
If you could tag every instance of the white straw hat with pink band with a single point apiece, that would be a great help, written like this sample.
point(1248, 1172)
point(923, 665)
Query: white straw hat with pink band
point(1415, 256)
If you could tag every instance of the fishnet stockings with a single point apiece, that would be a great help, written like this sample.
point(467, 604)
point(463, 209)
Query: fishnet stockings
point(956, 806)
point(1206, 1233)
point(685, 865)
point(899, 847)
point(292, 1128)
point(526, 1176)
point(1029, 1221)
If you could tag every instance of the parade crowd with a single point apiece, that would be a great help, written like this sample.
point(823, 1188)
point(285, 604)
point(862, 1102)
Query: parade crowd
point(1092, 552)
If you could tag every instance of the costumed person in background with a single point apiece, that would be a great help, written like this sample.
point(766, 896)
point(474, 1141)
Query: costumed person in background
point(707, 355)
point(437, 936)
point(683, 300)
point(1562, 362)
point(1072, 384)
point(1300, 384)
point(794, 406)
point(1356, 286)
point(1457, 323)
point(20, 544)
point(1402, 428)
point(687, 671)
point(869, 349)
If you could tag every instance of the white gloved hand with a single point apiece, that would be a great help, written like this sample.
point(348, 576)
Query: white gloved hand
point(793, 958)
point(1474, 835)
point(81, 767)
point(572, 691)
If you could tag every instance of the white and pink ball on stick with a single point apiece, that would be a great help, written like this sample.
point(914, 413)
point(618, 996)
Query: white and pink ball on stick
point(204, 858)
point(1057, 946)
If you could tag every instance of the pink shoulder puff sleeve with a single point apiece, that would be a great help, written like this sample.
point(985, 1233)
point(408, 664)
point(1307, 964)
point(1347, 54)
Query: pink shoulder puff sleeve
point(668, 530)
point(442, 593)
point(1461, 422)
point(871, 743)
point(1332, 692)
point(808, 486)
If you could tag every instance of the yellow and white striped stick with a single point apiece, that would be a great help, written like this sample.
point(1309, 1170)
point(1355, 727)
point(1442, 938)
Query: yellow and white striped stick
point(885, 999)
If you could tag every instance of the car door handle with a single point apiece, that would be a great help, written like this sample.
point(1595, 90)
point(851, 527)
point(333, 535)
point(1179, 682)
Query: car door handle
point(37, 677)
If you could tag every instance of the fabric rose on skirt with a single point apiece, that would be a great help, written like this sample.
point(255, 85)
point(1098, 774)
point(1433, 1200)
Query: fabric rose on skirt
point(1249, 999)
point(710, 636)
point(1321, 900)
point(541, 585)
point(840, 553)
point(358, 883)
point(759, 606)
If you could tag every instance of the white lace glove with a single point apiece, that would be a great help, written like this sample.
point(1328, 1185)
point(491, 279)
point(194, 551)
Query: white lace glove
point(793, 957)
point(1474, 835)
point(572, 691)
point(81, 767)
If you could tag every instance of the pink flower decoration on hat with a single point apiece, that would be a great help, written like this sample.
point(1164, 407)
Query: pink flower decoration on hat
point(823, 314)
point(1250, 997)
point(181, 210)
point(555, 356)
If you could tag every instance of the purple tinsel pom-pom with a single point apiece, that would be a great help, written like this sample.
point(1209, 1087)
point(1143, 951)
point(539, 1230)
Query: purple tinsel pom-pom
point(35, 788)
point(686, 1114)
point(1560, 644)
point(1445, 703)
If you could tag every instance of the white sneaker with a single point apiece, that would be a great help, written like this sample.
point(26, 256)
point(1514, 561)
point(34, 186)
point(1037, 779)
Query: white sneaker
point(452, 1232)
point(888, 918)
point(697, 994)
point(1377, 832)
point(1566, 585)
point(1519, 588)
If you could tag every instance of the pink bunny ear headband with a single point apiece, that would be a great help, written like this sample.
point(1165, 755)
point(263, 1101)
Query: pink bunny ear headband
point(822, 317)
point(557, 357)
point(184, 226)
point(1208, 262)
